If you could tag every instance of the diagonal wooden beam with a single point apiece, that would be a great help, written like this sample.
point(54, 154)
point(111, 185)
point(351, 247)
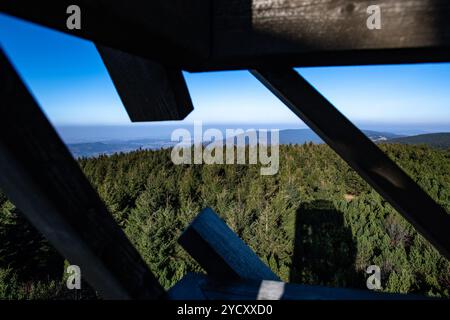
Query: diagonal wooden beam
point(149, 90)
point(220, 252)
point(42, 179)
point(386, 177)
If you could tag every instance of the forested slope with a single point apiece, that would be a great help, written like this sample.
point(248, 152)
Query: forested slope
point(314, 222)
point(437, 140)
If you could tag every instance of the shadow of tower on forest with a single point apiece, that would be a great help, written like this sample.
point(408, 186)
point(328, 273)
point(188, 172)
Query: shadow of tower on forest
point(324, 249)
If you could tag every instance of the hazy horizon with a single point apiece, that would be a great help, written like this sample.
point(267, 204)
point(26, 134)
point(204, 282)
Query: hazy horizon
point(134, 131)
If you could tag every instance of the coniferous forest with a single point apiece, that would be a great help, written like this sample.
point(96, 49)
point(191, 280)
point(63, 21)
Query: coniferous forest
point(315, 222)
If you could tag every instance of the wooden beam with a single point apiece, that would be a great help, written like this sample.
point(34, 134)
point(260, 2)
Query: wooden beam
point(200, 287)
point(386, 177)
point(220, 252)
point(176, 31)
point(201, 35)
point(328, 32)
point(149, 90)
point(42, 179)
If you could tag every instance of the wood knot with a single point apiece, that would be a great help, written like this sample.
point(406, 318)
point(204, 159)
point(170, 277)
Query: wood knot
point(350, 8)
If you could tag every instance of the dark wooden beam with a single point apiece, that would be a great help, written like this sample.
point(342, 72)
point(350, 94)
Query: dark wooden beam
point(201, 35)
point(176, 31)
point(200, 287)
point(386, 177)
point(328, 32)
point(42, 179)
point(220, 252)
point(149, 90)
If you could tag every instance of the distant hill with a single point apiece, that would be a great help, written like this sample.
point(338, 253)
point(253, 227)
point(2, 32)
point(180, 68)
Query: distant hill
point(93, 149)
point(378, 136)
point(298, 136)
point(436, 140)
point(301, 136)
point(288, 136)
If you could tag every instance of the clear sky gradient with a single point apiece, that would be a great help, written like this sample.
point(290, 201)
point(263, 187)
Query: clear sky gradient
point(71, 84)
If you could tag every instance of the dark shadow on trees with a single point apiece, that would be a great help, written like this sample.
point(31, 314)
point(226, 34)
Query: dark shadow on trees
point(26, 251)
point(324, 249)
point(32, 259)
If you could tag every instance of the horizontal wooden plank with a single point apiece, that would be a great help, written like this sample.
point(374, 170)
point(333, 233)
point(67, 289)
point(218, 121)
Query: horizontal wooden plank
point(149, 90)
point(39, 175)
point(220, 252)
point(201, 35)
point(328, 32)
point(175, 30)
point(201, 287)
point(386, 177)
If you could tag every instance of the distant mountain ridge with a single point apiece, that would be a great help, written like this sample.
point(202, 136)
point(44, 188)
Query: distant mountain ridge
point(436, 140)
point(92, 149)
point(294, 136)
point(301, 136)
point(287, 136)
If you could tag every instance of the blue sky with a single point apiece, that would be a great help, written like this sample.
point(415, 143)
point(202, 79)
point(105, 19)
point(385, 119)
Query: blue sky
point(71, 84)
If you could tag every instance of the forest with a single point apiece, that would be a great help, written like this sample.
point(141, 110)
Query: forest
point(314, 222)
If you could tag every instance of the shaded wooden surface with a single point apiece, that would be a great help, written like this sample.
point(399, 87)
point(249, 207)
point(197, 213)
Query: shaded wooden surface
point(39, 175)
point(200, 287)
point(201, 35)
point(220, 252)
point(165, 30)
point(149, 91)
point(328, 32)
point(430, 219)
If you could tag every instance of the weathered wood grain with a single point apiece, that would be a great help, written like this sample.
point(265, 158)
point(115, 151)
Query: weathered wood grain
point(220, 252)
point(39, 175)
point(375, 167)
point(149, 90)
point(327, 32)
point(201, 35)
